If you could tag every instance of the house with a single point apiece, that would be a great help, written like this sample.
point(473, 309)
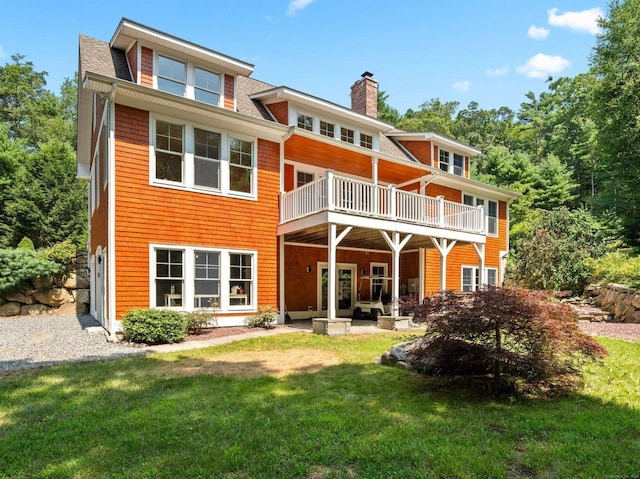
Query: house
point(211, 189)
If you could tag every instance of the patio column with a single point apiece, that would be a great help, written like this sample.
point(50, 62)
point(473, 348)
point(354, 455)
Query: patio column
point(479, 247)
point(281, 268)
point(443, 247)
point(396, 246)
point(333, 241)
point(421, 274)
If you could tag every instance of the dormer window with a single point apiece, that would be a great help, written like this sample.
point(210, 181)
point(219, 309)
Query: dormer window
point(451, 162)
point(171, 75)
point(305, 122)
point(366, 141)
point(347, 135)
point(327, 129)
point(207, 86)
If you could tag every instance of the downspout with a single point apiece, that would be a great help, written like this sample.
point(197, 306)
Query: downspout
point(281, 247)
point(111, 220)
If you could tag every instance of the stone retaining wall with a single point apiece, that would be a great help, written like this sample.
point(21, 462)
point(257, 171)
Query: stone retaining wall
point(620, 300)
point(64, 294)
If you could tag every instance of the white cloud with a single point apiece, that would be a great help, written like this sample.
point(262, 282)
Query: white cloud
point(297, 5)
point(584, 21)
point(538, 32)
point(541, 65)
point(461, 85)
point(498, 72)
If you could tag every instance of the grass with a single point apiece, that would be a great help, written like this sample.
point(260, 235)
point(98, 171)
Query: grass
point(173, 416)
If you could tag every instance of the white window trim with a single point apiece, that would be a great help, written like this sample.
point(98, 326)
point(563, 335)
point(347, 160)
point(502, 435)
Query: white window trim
point(486, 210)
point(384, 282)
point(188, 160)
point(451, 163)
point(189, 91)
point(474, 273)
point(188, 278)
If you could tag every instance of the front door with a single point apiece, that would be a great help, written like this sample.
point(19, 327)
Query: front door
point(345, 297)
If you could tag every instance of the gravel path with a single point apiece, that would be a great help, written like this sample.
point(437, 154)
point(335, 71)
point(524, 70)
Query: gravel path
point(32, 341)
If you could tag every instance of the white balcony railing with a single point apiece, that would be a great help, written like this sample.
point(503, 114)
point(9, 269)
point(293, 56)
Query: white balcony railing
point(337, 193)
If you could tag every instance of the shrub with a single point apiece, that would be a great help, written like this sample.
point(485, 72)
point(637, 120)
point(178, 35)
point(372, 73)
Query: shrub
point(616, 267)
point(154, 326)
point(513, 336)
point(26, 243)
point(198, 320)
point(17, 266)
point(264, 319)
point(64, 252)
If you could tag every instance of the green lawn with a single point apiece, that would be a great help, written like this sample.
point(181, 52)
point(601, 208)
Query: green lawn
point(160, 416)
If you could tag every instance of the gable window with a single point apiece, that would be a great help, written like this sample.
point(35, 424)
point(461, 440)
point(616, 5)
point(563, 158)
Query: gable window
point(366, 141)
point(327, 129)
point(207, 86)
point(471, 277)
point(347, 135)
point(171, 75)
point(240, 279)
point(207, 158)
point(169, 277)
point(169, 150)
point(458, 164)
point(490, 211)
point(305, 122)
point(206, 279)
point(302, 178)
point(240, 165)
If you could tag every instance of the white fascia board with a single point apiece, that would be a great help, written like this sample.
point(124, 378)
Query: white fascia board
point(285, 93)
point(129, 30)
point(475, 187)
point(84, 124)
point(146, 98)
point(438, 139)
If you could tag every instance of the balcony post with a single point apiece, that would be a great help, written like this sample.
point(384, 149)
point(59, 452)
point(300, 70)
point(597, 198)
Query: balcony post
point(330, 197)
point(440, 210)
point(484, 220)
point(393, 199)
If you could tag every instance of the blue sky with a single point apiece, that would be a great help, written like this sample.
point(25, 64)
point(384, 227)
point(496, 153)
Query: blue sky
point(490, 51)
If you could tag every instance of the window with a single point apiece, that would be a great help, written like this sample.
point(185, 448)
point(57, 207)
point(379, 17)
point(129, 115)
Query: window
point(378, 283)
point(366, 141)
point(169, 279)
point(443, 158)
point(190, 278)
point(471, 277)
point(206, 279)
point(347, 135)
point(169, 151)
point(302, 178)
point(490, 211)
point(458, 164)
point(327, 129)
point(305, 122)
point(171, 75)
point(240, 279)
point(207, 158)
point(240, 165)
point(207, 86)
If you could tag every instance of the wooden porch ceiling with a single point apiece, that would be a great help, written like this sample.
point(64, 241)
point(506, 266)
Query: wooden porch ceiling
point(363, 238)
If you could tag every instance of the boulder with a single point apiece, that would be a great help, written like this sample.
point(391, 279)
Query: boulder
point(71, 309)
point(75, 281)
point(621, 308)
point(54, 296)
point(42, 282)
point(20, 298)
point(34, 309)
point(81, 295)
point(10, 309)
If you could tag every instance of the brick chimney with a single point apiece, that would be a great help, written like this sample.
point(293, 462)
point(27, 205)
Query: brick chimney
point(364, 96)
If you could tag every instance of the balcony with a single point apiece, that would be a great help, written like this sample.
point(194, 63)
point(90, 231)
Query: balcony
point(359, 198)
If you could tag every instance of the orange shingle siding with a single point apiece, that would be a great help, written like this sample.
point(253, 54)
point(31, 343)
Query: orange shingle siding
point(132, 59)
point(146, 67)
point(229, 92)
point(467, 167)
point(149, 214)
point(420, 149)
point(280, 111)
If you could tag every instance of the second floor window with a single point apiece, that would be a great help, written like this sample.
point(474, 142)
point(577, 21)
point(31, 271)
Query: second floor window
point(443, 160)
point(169, 151)
point(240, 165)
point(327, 129)
point(171, 75)
point(303, 178)
point(305, 122)
point(207, 158)
point(347, 135)
point(458, 164)
point(207, 86)
point(366, 141)
point(490, 211)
